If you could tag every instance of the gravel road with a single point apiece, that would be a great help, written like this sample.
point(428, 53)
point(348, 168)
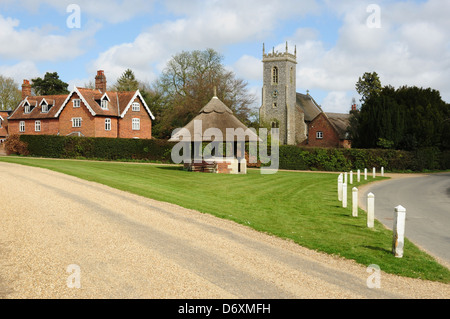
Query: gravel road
point(125, 246)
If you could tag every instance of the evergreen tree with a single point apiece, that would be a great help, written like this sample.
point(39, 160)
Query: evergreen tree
point(49, 85)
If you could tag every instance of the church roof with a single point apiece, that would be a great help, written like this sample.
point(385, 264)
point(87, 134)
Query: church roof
point(309, 107)
point(216, 115)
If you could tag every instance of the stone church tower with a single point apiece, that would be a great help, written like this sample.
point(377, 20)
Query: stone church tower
point(279, 98)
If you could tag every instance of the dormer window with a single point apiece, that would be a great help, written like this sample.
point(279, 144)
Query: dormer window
point(27, 108)
point(44, 108)
point(104, 104)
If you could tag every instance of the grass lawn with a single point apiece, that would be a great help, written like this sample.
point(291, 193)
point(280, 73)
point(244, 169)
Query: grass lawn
point(302, 207)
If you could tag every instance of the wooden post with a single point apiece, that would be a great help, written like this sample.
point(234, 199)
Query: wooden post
point(370, 210)
point(351, 177)
point(374, 172)
point(365, 174)
point(358, 176)
point(340, 182)
point(399, 231)
point(344, 195)
point(355, 202)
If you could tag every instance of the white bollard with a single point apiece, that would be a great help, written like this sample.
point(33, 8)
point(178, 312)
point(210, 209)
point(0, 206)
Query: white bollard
point(358, 176)
point(365, 174)
point(398, 241)
point(351, 177)
point(382, 171)
point(344, 195)
point(355, 202)
point(374, 172)
point(345, 177)
point(370, 210)
point(340, 182)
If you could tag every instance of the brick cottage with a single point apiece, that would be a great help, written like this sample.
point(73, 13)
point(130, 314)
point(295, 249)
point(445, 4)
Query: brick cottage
point(83, 112)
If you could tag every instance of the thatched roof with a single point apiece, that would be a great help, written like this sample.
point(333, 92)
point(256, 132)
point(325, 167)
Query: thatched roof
point(216, 115)
point(309, 107)
point(340, 122)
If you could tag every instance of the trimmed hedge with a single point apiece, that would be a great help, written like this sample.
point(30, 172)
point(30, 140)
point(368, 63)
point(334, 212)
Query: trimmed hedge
point(291, 157)
point(97, 148)
point(340, 159)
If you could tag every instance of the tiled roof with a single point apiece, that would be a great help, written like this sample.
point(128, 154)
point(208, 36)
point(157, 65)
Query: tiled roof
point(36, 102)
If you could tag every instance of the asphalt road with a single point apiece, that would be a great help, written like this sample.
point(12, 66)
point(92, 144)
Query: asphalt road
point(63, 237)
point(427, 202)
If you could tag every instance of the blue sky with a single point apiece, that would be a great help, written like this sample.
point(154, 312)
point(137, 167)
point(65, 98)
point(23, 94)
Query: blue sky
point(405, 42)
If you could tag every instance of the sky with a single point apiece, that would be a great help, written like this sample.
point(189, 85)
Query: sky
point(405, 42)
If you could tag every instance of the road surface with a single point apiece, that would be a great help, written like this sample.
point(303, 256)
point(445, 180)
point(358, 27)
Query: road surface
point(426, 198)
point(62, 237)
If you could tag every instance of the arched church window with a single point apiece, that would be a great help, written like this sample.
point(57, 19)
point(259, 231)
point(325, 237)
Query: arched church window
point(275, 75)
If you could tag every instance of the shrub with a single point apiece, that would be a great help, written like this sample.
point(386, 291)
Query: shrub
point(14, 145)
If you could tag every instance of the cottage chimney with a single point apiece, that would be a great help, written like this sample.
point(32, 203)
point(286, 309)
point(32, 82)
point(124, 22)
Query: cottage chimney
point(26, 89)
point(100, 81)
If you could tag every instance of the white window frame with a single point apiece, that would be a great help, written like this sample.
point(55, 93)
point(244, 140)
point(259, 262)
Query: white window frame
point(104, 104)
point(22, 126)
point(108, 124)
point(319, 135)
point(136, 124)
point(136, 107)
point(76, 103)
point(76, 120)
point(27, 108)
point(37, 126)
point(46, 108)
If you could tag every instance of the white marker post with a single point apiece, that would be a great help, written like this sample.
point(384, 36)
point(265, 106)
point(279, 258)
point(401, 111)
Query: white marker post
point(340, 182)
point(374, 172)
point(345, 177)
point(351, 177)
point(358, 175)
point(344, 195)
point(382, 171)
point(355, 202)
point(365, 174)
point(370, 210)
point(398, 241)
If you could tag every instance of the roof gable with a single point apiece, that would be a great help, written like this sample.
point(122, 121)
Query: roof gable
point(137, 94)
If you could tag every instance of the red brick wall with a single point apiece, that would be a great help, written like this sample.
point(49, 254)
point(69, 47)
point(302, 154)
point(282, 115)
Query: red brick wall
point(100, 127)
point(330, 137)
point(48, 127)
point(125, 124)
point(65, 119)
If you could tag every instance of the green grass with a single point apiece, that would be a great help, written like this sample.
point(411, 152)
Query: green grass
point(302, 207)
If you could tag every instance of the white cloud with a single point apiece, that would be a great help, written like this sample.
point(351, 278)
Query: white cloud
point(38, 45)
point(20, 71)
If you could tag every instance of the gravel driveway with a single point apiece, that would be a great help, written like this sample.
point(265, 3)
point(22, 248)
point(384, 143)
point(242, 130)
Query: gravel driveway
point(119, 245)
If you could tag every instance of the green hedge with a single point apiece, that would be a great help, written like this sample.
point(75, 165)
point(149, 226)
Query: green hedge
point(329, 159)
point(291, 157)
point(98, 148)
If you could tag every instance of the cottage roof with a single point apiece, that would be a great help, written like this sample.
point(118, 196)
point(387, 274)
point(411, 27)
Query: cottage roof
point(54, 103)
point(340, 122)
point(216, 115)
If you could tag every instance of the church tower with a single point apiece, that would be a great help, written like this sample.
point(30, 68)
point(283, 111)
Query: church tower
point(278, 107)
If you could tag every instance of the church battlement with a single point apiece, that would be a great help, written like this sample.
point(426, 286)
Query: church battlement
point(279, 56)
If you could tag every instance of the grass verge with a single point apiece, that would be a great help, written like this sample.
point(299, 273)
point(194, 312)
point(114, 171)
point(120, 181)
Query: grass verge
point(302, 207)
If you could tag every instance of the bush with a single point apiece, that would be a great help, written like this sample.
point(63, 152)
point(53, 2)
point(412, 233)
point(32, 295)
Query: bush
point(14, 145)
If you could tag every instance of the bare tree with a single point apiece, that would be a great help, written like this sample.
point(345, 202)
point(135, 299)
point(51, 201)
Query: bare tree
point(10, 95)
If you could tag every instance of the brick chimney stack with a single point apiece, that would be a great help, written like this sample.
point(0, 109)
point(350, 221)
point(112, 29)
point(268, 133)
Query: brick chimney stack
point(100, 81)
point(26, 89)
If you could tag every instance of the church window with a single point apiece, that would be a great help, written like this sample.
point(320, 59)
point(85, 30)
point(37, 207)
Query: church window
point(275, 75)
point(292, 75)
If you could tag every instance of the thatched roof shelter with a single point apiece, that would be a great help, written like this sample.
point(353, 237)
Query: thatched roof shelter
point(216, 115)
